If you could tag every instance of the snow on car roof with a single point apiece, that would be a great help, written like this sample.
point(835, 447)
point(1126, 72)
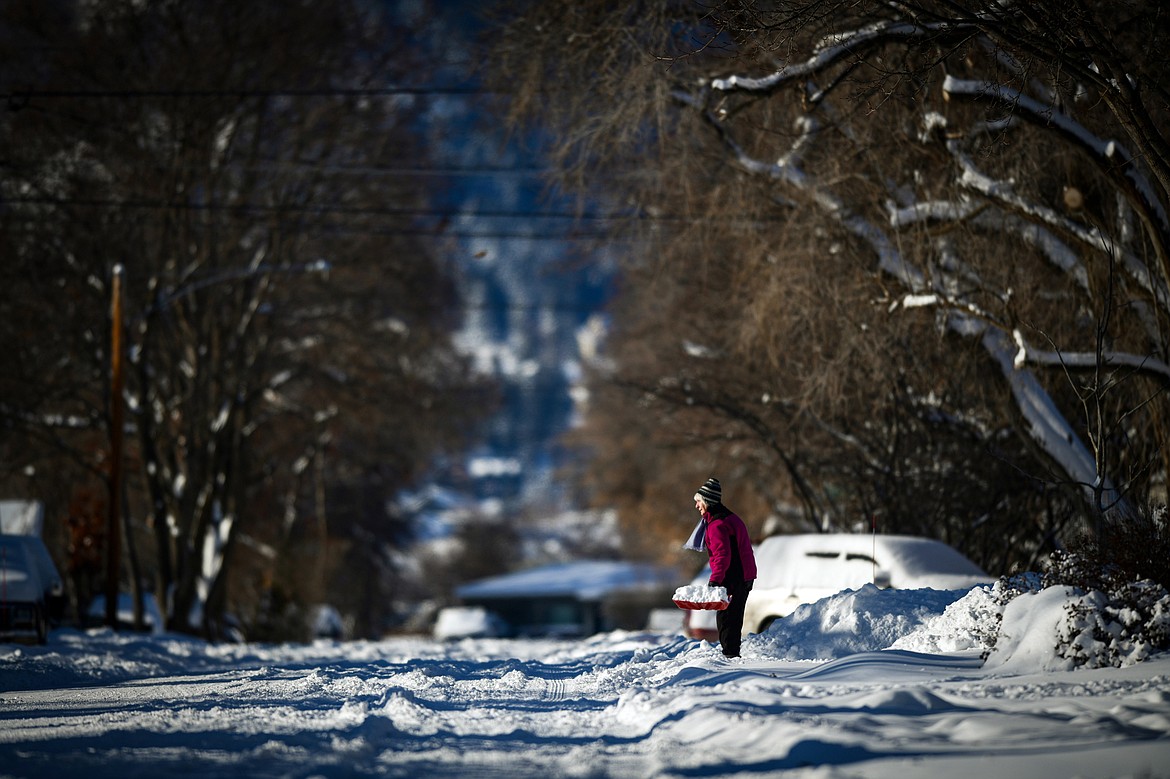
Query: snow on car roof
point(925, 555)
point(800, 558)
point(21, 517)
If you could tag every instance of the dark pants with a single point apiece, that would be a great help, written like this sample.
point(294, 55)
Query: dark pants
point(730, 620)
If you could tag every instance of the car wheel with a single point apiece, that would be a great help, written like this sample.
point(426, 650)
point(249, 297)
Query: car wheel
point(766, 623)
point(42, 628)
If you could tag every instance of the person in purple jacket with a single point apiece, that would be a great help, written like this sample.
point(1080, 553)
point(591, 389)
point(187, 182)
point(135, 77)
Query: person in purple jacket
point(733, 564)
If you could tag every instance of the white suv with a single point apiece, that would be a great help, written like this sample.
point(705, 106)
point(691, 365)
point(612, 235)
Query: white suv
point(796, 569)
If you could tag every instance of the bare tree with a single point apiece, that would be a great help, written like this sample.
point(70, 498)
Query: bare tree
point(291, 365)
point(900, 245)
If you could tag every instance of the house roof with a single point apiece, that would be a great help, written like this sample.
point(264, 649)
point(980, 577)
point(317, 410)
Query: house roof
point(587, 580)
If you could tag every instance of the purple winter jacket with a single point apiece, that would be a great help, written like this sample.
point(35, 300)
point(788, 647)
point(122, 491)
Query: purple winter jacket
point(730, 548)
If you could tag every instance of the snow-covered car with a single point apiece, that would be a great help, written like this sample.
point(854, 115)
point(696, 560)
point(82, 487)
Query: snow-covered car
point(455, 622)
point(31, 591)
point(798, 569)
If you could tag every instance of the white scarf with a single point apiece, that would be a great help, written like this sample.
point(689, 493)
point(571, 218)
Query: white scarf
point(698, 540)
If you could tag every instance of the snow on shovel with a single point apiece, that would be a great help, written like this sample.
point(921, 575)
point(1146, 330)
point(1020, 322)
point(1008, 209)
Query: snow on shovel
point(701, 597)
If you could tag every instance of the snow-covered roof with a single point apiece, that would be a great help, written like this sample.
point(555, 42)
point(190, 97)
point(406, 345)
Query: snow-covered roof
point(587, 580)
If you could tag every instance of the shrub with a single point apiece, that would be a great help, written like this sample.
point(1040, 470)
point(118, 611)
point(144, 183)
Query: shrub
point(1120, 614)
point(1004, 591)
point(1132, 550)
point(1123, 613)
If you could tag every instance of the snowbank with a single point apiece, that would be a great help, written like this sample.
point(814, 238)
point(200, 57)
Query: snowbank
point(864, 620)
point(897, 690)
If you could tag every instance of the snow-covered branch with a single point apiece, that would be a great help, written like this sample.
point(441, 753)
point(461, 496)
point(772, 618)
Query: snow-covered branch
point(1034, 222)
point(1045, 424)
point(837, 48)
point(964, 208)
point(1110, 154)
point(1139, 363)
point(1054, 249)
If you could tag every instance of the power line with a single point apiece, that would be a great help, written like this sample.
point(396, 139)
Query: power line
point(445, 223)
point(415, 212)
point(443, 233)
point(327, 210)
point(369, 170)
point(399, 171)
point(19, 97)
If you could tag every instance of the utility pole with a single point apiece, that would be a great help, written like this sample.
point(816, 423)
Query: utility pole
point(117, 430)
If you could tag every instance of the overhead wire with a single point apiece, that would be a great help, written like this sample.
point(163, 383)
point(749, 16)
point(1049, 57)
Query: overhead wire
point(19, 98)
point(22, 96)
point(448, 218)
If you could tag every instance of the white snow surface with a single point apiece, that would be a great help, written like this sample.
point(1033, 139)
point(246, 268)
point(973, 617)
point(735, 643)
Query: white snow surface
point(876, 683)
point(701, 593)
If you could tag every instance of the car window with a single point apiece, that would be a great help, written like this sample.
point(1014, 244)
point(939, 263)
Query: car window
point(835, 571)
point(820, 569)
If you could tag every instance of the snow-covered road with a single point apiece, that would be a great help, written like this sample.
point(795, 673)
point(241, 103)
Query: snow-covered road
point(618, 704)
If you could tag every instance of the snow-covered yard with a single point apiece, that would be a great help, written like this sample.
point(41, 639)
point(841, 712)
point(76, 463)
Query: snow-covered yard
point(821, 694)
